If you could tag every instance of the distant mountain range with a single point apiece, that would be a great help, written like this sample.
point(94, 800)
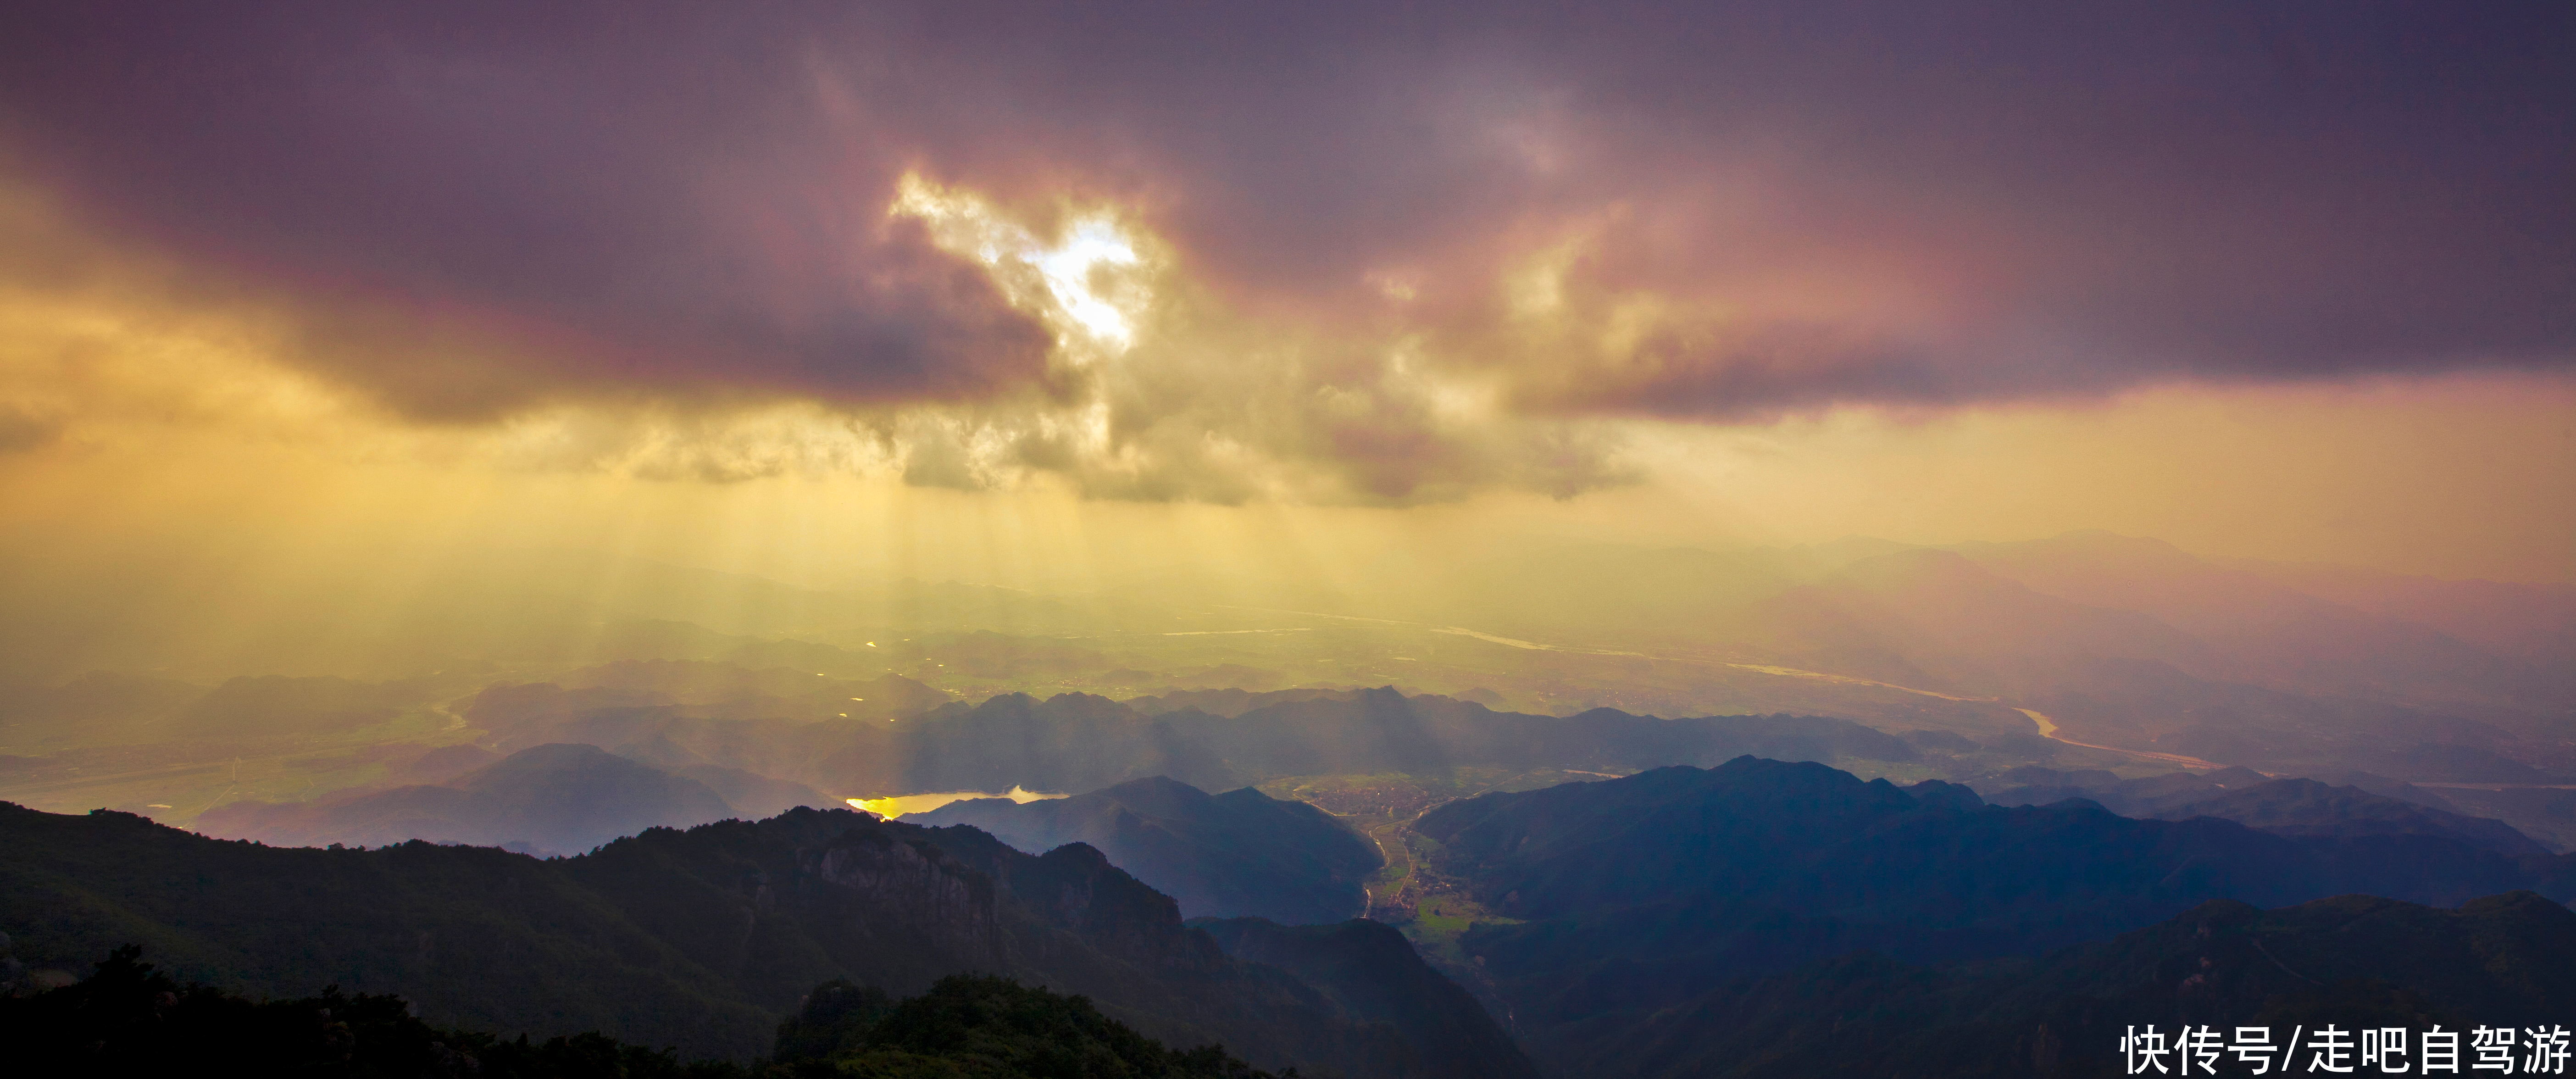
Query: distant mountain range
point(2123, 641)
point(2289, 806)
point(1636, 895)
point(2136, 642)
point(2117, 646)
point(548, 799)
point(1078, 742)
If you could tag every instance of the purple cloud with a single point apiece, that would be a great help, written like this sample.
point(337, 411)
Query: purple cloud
point(1848, 202)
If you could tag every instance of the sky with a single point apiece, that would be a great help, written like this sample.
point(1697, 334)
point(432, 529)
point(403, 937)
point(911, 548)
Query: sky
point(1051, 293)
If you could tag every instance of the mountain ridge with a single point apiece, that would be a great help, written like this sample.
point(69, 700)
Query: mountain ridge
point(700, 939)
point(1236, 854)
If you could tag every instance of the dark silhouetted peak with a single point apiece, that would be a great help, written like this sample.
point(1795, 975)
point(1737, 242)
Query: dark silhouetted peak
point(1075, 887)
point(1081, 859)
point(1840, 863)
point(1247, 798)
point(1937, 793)
point(1225, 855)
point(1156, 795)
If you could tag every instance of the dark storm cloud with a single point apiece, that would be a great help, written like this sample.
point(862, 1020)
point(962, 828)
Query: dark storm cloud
point(1835, 202)
point(598, 200)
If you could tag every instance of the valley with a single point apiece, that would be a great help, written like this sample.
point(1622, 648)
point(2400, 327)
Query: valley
point(1276, 780)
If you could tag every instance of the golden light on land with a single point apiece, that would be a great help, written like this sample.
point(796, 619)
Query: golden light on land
point(899, 805)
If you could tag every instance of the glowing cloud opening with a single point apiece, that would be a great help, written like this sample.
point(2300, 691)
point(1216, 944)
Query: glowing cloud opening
point(1060, 282)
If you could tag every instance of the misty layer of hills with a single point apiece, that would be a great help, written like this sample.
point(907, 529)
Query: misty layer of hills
point(2099, 640)
point(548, 799)
point(560, 791)
point(1078, 742)
point(2123, 641)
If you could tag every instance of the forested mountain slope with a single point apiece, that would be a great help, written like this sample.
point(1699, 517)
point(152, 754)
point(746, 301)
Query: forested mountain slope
point(700, 939)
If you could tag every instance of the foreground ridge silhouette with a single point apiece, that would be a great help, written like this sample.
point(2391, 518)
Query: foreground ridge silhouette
point(129, 1017)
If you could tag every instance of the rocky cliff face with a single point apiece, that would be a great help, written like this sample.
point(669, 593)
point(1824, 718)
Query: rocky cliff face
point(900, 888)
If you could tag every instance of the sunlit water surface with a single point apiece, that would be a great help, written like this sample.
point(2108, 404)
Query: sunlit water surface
point(901, 804)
